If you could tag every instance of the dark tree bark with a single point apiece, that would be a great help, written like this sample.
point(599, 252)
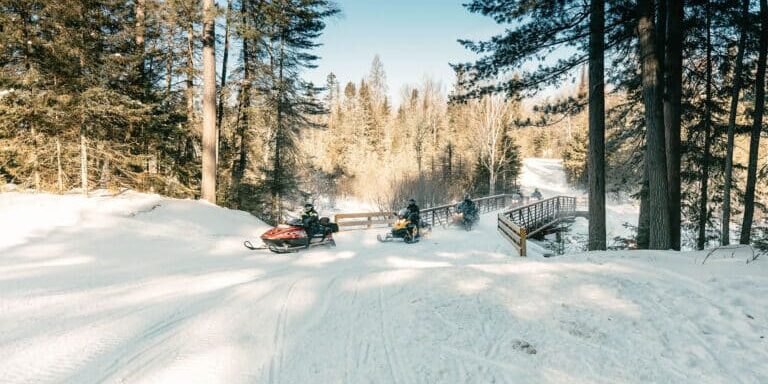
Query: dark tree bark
point(277, 199)
point(596, 161)
point(245, 104)
point(140, 32)
point(655, 156)
point(208, 184)
point(725, 235)
point(644, 218)
point(703, 211)
point(673, 68)
point(190, 74)
point(757, 127)
point(225, 57)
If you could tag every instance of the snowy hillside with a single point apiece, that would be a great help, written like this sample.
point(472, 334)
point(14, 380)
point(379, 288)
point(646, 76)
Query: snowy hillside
point(143, 289)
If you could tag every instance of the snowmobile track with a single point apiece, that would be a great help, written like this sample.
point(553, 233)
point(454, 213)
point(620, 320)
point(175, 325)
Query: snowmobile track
point(278, 357)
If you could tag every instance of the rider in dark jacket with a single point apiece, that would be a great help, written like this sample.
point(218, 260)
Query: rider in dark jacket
point(467, 207)
point(311, 220)
point(413, 216)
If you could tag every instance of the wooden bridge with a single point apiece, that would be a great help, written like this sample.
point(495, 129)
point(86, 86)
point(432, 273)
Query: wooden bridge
point(519, 223)
point(439, 215)
point(521, 218)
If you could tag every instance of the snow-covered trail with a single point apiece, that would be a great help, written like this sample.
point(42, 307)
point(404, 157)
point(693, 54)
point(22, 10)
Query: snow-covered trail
point(142, 289)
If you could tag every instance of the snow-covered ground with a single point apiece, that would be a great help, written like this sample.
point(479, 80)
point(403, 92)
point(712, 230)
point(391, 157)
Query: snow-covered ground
point(143, 289)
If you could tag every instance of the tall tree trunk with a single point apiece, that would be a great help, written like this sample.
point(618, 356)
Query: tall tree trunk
point(190, 72)
point(279, 131)
point(83, 159)
point(35, 161)
point(655, 156)
point(661, 35)
point(140, 7)
point(245, 104)
point(725, 234)
point(757, 127)
point(596, 160)
point(169, 66)
point(59, 171)
point(703, 212)
point(208, 185)
point(644, 218)
point(491, 181)
point(673, 67)
point(220, 109)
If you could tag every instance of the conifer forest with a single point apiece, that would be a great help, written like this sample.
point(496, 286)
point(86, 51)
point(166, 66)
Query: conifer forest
point(659, 100)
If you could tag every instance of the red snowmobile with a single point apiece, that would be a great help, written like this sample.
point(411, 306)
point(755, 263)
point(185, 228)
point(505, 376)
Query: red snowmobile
point(293, 236)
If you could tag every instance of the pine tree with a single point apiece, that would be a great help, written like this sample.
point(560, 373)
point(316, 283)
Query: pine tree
point(757, 126)
point(596, 161)
point(725, 235)
point(208, 184)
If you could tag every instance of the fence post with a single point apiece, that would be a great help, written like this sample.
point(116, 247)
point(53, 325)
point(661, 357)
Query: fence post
point(370, 218)
point(523, 247)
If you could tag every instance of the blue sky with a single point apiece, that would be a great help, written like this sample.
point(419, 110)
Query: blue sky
point(413, 37)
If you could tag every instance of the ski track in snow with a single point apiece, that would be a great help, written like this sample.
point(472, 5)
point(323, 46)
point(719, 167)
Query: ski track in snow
point(144, 289)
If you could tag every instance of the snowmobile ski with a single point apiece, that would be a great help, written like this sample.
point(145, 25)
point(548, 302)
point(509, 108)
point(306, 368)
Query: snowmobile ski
point(391, 239)
point(252, 247)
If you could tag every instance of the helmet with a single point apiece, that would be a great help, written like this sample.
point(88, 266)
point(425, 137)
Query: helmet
point(308, 207)
point(402, 213)
point(411, 201)
point(466, 196)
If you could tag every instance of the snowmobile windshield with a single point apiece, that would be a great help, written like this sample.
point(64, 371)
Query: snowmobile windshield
point(295, 222)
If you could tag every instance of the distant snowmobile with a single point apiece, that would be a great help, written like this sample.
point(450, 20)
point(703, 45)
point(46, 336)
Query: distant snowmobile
point(293, 236)
point(466, 214)
point(465, 220)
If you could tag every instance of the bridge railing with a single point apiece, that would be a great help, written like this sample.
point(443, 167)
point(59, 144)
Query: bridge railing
point(439, 215)
point(517, 224)
point(364, 219)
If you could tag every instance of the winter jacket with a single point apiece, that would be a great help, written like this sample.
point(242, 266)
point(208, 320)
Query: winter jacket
point(467, 207)
point(310, 218)
point(413, 212)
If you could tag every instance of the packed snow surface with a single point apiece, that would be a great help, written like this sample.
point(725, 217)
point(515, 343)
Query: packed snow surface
point(143, 289)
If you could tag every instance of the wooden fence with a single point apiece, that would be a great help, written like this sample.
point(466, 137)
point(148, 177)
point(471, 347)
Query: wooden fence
point(517, 224)
point(439, 215)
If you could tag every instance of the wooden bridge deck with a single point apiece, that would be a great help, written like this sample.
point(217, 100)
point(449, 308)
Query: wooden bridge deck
point(519, 223)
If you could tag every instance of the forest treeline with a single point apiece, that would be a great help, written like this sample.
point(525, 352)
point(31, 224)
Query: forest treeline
point(426, 148)
point(128, 93)
point(190, 98)
point(672, 109)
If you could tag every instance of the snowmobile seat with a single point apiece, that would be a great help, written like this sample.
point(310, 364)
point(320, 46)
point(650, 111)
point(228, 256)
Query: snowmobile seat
point(328, 225)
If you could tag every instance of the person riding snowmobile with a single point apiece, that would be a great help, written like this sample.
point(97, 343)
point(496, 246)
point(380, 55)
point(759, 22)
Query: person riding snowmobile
point(311, 221)
point(403, 227)
point(536, 194)
point(467, 208)
point(413, 215)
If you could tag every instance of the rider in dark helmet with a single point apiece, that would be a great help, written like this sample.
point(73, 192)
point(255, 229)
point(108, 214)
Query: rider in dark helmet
point(414, 216)
point(310, 219)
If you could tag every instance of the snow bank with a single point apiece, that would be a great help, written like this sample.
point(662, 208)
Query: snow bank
point(143, 289)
